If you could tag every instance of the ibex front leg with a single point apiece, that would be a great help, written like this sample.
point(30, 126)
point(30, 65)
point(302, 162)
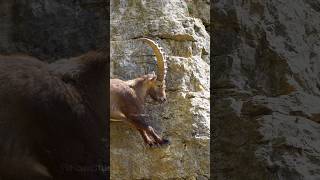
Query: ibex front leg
point(147, 132)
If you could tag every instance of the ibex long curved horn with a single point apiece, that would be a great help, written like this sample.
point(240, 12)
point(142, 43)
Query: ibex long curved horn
point(161, 60)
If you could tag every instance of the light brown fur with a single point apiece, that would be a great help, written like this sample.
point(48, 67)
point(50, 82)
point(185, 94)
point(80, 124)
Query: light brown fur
point(127, 101)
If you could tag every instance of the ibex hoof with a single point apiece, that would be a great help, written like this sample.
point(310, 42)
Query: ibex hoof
point(165, 142)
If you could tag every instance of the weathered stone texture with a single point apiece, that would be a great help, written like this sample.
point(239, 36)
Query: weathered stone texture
point(267, 96)
point(51, 29)
point(184, 119)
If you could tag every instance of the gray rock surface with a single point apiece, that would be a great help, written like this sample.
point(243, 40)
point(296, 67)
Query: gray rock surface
point(185, 118)
point(51, 29)
point(267, 92)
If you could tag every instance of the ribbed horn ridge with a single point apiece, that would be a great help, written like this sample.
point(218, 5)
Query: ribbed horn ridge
point(161, 60)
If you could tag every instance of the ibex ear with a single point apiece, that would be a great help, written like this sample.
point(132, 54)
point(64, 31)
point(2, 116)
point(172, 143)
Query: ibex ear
point(153, 77)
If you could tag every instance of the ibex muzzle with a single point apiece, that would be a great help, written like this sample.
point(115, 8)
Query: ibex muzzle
point(127, 97)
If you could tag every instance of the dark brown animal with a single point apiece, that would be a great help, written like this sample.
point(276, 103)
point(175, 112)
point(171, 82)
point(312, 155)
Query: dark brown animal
point(53, 118)
point(127, 98)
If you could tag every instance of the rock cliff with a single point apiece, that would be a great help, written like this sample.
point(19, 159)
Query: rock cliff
point(51, 29)
point(180, 28)
point(55, 29)
point(266, 89)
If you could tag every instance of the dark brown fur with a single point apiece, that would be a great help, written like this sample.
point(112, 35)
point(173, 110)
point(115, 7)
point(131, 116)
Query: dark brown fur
point(52, 118)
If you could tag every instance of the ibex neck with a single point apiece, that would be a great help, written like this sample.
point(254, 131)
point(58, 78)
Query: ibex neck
point(139, 88)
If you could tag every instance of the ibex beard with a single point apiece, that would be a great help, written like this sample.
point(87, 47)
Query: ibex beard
point(127, 98)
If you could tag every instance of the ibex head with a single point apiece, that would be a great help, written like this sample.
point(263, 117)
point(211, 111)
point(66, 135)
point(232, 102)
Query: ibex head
point(156, 83)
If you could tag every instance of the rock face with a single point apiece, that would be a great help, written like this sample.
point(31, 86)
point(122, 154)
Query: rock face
point(51, 29)
point(266, 89)
point(185, 118)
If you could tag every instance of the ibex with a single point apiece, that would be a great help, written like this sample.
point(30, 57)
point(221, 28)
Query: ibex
point(127, 97)
point(53, 118)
